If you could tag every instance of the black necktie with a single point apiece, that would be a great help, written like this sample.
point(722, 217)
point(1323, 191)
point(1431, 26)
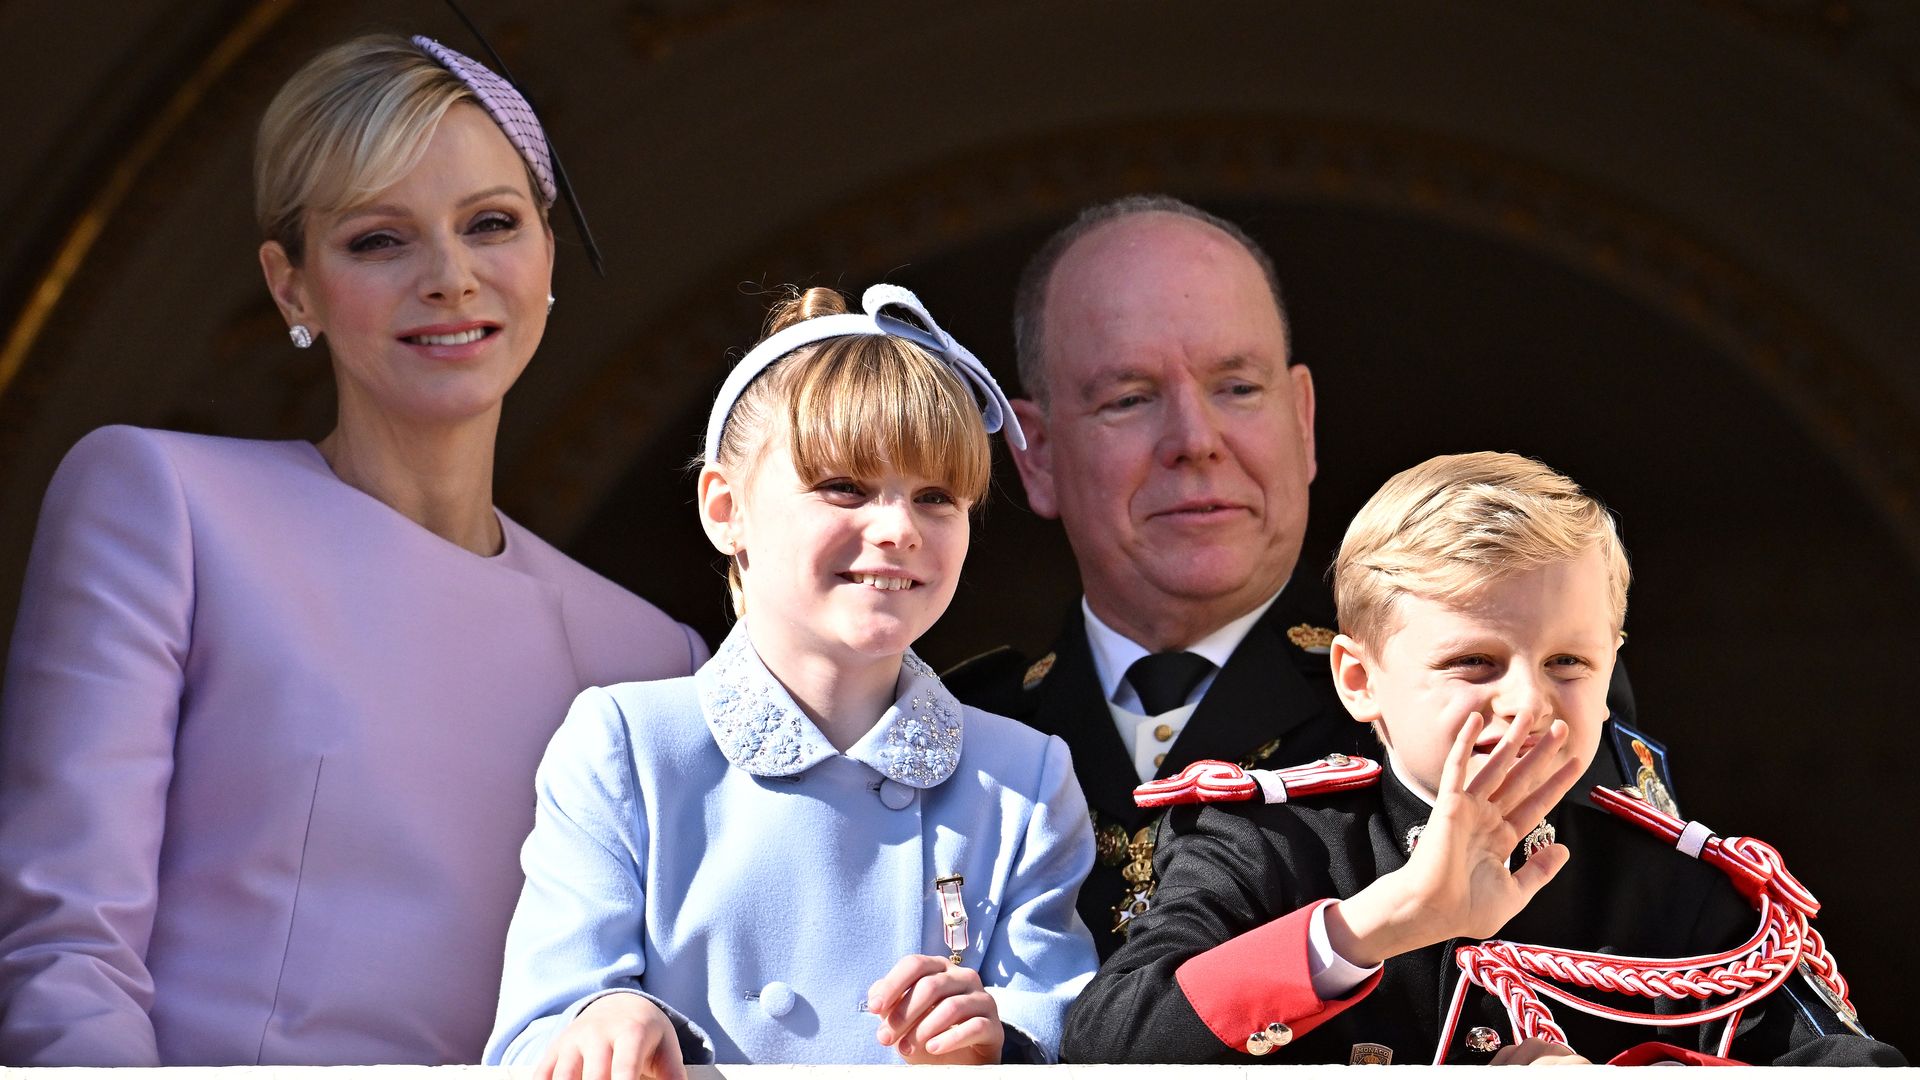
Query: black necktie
point(1163, 680)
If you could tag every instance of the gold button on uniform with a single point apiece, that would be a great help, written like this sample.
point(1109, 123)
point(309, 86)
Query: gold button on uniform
point(1163, 732)
point(1268, 1039)
point(1159, 760)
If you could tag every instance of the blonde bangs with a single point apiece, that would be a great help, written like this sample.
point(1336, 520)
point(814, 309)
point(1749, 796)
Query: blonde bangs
point(861, 406)
point(353, 165)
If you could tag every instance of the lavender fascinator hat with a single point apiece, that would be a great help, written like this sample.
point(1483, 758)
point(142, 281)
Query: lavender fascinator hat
point(510, 109)
point(888, 310)
point(507, 106)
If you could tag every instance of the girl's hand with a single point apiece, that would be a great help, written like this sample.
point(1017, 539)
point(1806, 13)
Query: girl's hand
point(935, 1012)
point(618, 1037)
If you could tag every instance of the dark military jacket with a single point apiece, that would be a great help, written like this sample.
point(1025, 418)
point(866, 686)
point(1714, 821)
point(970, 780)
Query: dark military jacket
point(1273, 704)
point(1227, 872)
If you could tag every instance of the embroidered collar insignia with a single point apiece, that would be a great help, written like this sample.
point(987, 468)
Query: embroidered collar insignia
point(1311, 638)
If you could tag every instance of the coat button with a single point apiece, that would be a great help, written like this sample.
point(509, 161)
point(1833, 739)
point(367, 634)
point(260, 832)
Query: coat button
point(776, 999)
point(895, 795)
point(1483, 1040)
point(1159, 760)
point(1268, 1039)
point(1163, 732)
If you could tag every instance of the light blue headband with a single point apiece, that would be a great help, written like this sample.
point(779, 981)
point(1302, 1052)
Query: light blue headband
point(995, 413)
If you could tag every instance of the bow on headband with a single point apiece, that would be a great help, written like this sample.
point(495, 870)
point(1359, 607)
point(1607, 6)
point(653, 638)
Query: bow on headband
point(995, 413)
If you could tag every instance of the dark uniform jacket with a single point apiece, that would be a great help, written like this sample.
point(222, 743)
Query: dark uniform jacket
point(1222, 953)
point(1273, 704)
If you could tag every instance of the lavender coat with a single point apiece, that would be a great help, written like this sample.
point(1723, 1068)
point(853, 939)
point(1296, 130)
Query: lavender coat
point(266, 756)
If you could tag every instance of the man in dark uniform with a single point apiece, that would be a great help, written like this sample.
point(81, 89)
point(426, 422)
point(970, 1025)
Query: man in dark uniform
point(1171, 433)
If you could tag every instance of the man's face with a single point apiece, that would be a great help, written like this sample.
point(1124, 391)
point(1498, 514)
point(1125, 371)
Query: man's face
point(1176, 445)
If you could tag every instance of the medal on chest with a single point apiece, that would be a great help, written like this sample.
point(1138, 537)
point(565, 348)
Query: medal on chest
point(953, 914)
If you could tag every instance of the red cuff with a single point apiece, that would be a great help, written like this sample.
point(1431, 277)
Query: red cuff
point(1652, 1053)
point(1260, 978)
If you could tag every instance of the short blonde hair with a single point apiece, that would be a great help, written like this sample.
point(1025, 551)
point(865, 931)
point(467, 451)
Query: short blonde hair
point(351, 122)
point(858, 406)
point(1453, 523)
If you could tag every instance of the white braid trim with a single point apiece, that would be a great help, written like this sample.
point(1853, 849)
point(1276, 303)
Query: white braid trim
point(1693, 839)
point(1271, 785)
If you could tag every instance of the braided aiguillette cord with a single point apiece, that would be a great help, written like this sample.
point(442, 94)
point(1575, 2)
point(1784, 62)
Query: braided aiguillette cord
point(1519, 975)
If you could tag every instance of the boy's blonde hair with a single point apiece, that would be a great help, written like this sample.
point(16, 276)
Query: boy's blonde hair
point(856, 406)
point(1453, 523)
point(351, 122)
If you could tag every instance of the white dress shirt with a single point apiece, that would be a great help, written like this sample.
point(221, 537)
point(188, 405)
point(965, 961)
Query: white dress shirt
point(1147, 738)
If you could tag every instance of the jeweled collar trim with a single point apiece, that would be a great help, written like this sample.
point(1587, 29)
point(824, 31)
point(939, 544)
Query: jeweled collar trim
point(759, 728)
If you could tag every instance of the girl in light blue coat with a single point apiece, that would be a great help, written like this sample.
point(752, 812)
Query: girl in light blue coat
point(809, 851)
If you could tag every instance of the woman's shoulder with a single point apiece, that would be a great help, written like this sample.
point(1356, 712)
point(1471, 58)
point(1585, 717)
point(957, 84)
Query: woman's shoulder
point(120, 470)
point(125, 447)
point(642, 641)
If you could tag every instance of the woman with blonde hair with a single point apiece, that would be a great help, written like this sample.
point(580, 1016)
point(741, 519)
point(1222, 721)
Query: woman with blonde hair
point(272, 708)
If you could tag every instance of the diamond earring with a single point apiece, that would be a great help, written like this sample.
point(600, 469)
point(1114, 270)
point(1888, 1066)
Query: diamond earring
point(301, 336)
point(549, 303)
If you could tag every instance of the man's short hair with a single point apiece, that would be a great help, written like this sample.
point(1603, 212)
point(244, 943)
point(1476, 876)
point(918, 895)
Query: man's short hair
point(1453, 523)
point(1029, 303)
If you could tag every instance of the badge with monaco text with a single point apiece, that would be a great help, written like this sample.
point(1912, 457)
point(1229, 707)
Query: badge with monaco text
point(1370, 1054)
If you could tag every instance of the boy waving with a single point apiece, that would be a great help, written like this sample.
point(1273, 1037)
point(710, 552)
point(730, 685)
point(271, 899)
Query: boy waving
point(1481, 599)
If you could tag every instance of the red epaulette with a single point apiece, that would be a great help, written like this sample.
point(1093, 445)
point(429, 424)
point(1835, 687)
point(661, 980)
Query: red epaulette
point(1754, 867)
point(1223, 781)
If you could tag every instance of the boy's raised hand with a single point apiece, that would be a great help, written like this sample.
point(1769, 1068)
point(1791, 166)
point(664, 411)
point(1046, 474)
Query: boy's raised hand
point(1456, 883)
point(617, 1037)
point(1460, 864)
point(935, 1012)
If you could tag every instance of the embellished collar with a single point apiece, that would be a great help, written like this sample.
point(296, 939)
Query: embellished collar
point(1407, 808)
point(760, 729)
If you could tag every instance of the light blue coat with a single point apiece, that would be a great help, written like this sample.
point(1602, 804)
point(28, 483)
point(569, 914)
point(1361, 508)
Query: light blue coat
point(700, 841)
